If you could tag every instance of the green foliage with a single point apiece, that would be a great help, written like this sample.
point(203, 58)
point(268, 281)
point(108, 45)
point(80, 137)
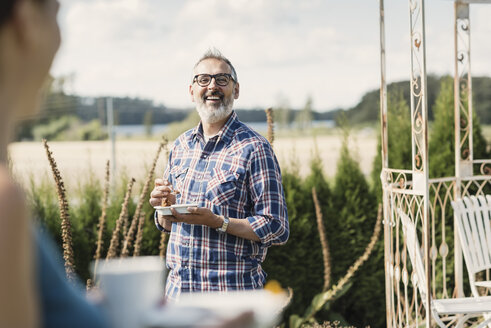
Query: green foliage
point(481, 98)
point(43, 203)
point(442, 159)
point(85, 202)
point(367, 110)
point(85, 210)
point(92, 130)
point(355, 206)
point(298, 264)
point(175, 129)
point(349, 214)
point(320, 301)
point(442, 134)
point(69, 128)
point(148, 122)
point(282, 112)
point(54, 128)
point(305, 116)
point(399, 139)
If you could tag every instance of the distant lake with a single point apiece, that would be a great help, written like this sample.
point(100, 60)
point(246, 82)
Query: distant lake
point(261, 127)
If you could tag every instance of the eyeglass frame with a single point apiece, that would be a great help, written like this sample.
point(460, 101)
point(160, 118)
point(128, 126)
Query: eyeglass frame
point(213, 76)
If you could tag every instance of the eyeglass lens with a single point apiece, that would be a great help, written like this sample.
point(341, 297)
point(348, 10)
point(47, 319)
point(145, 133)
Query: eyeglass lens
point(220, 79)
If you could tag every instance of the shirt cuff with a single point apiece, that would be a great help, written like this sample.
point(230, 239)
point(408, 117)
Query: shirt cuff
point(259, 225)
point(270, 230)
point(155, 217)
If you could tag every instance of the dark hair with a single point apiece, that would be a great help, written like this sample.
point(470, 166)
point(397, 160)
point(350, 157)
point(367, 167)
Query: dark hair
point(6, 9)
point(216, 54)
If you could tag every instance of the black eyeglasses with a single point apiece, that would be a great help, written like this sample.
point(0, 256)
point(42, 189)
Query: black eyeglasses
point(221, 79)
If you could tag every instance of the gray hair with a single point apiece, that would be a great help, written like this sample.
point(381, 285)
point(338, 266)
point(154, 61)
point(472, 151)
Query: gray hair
point(216, 54)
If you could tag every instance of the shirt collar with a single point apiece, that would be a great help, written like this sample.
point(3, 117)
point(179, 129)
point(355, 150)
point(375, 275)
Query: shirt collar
point(225, 133)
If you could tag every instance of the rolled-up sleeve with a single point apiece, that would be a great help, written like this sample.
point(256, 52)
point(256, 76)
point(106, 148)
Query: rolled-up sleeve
point(270, 219)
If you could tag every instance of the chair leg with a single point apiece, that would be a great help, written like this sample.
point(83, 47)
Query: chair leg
point(466, 317)
point(484, 323)
point(462, 320)
point(437, 319)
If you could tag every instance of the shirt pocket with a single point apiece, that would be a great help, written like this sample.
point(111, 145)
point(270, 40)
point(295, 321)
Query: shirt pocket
point(222, 187)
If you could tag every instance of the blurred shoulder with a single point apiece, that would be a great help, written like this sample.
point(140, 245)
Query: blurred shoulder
point(11, 195)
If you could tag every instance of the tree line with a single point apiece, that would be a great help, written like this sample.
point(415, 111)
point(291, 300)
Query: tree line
point(369, 106)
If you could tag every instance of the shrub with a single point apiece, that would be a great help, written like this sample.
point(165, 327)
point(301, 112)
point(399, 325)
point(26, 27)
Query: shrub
point(349, 230)
point(399, 139)
point(298, 264)
point(442, 136)
point(85, 210)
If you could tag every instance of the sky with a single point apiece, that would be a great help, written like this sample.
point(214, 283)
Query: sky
point(284, 51)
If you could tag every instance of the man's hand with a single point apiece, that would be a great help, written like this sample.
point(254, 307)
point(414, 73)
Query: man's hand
point(162, 189)
point(197, 215)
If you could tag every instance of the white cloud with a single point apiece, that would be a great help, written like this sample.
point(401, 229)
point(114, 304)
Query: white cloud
point(326, 49)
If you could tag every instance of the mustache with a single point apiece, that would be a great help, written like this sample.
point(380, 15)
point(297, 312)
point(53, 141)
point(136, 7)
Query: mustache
point(215, 93)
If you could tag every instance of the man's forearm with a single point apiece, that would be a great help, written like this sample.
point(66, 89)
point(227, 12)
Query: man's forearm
point(242, 228)
point(237, 227)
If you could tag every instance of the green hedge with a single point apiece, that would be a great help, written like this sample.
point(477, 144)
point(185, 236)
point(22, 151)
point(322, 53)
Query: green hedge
point(349, 206)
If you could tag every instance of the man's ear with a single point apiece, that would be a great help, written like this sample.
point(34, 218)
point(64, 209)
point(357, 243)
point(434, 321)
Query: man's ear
point(236, 90)
point(191, 92)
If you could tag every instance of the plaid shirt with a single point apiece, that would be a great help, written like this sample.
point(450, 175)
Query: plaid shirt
point(234, 174)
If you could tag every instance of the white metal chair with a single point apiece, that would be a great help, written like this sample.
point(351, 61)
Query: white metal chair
point(441, 309)
point(472, 215)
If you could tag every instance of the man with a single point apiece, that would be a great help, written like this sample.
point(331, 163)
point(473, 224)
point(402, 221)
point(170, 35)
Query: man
point(231, 173)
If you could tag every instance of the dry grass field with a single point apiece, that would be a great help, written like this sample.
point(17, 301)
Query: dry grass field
point(76, 159)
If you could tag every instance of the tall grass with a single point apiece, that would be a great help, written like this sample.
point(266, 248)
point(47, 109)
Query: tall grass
point(102, 219)
point(94, 218)
point(66, 229)
point(301, 260)
point(115, 239)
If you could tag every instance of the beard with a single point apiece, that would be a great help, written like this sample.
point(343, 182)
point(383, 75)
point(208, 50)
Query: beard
point(212, 114)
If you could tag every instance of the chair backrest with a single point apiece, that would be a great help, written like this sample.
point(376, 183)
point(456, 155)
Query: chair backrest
point(414, 251)
point(472, 215)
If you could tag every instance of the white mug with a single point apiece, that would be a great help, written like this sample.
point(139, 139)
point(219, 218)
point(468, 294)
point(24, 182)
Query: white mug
point(131, 287)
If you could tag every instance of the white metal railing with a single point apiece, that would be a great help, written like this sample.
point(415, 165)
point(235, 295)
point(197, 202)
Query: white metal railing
point(405, 306)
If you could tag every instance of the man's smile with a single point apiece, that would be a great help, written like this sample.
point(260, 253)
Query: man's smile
point(214, 97)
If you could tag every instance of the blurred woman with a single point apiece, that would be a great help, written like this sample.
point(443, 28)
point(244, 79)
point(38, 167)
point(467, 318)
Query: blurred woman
point(33, 289)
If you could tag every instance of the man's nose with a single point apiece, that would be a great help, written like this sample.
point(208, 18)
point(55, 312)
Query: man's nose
point(213, 84)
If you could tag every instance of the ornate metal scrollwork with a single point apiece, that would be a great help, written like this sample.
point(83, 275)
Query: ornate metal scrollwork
point(462, 58)
point(463, 26)
point(418, 162)
point(486, 168)
point(418, 88)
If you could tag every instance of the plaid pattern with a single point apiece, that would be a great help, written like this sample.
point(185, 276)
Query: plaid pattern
point(235, 174)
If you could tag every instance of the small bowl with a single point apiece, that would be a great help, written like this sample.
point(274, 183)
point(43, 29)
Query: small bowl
point(180, 208)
